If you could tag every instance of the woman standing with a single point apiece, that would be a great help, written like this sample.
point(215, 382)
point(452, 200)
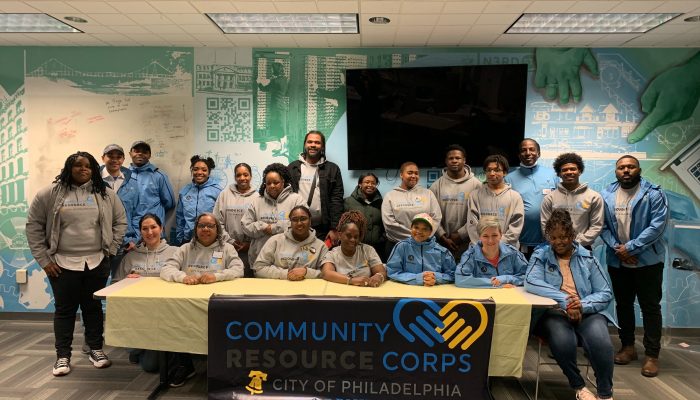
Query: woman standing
point(295, 254)
point(229, 209)
point(196, 197)
point(367, 200)
point(567, 273)
point(73, 227)
point(269, 214)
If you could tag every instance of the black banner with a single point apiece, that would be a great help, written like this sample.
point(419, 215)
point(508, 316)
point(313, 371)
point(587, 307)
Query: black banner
point(265, 347)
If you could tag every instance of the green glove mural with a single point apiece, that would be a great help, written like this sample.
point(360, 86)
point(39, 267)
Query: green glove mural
point(558, 72)
point(670, 97)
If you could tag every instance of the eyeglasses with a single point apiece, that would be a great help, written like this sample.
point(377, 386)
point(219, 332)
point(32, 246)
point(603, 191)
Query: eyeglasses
point(299, 219)
point(206, 226)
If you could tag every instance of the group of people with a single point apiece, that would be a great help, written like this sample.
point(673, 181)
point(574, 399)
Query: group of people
point(533, 226)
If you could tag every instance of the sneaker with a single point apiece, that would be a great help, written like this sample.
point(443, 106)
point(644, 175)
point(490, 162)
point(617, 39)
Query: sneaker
point(181, 375)
point(99, 359)
point(85, 349)
point(61, 367)
point(585, 394)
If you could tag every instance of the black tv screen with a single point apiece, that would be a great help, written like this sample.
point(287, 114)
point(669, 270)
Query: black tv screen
point(411, 114)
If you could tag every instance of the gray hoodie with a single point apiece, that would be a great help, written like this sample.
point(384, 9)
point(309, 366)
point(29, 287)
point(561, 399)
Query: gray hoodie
point(145, 262)
point(586, 207)
point(282, 253)
point(453, 196)
point(268, 211)
point(507, 206)
point(401, 205)
point(219, 258)
point(229, 209)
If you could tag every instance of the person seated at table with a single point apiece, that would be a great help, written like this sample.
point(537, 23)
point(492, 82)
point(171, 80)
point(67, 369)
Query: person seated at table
point(490, 263)
point(568, 273)
point(420, 260)
point(295, 254)
point(146, 259)
point(353, 262)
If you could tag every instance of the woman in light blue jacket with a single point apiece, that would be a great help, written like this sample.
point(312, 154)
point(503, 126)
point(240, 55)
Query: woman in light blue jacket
point(196, 198)
point(490, 263)
point(567, 273)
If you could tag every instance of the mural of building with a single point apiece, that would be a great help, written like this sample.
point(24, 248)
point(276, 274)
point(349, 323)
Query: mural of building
point(13, 155)
point(215, 78)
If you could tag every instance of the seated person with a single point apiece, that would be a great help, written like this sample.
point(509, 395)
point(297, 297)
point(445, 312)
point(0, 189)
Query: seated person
point(567, 273)
point(420, 260)
point(146, 259)
point(207, 258)
point(293, 255)
point(490, 262)
point(353, 262)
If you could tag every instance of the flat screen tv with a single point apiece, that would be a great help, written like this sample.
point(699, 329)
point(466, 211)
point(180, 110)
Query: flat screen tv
point(400, 114)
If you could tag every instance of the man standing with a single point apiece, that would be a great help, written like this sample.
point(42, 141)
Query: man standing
point(320, 184)
point(155, 192)
point(452, 192)
point(533, 182)
point(636, 212)
point(119, 179)
point(584, 204)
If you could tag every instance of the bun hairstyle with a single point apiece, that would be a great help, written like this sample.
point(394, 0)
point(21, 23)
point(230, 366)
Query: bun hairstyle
point(197, 158)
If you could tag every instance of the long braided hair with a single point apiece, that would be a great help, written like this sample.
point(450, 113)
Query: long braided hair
point(353, 217)
point(65, 178)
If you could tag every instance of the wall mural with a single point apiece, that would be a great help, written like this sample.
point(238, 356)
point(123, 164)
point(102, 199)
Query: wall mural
point(255, 105)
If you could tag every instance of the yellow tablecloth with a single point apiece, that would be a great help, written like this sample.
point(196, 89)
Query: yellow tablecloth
point(158, 315)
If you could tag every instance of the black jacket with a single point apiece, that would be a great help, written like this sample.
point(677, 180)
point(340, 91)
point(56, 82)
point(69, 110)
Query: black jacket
point(330, 183)
point(373, 214)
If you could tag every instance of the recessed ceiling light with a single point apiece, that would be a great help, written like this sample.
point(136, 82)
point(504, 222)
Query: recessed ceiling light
point(695, 18)
point(75, 19)
point(285, 23)
point(589, 23)
point(40, 23)
point(379, 20)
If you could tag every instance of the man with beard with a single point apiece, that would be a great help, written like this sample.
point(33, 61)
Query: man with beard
point(452, 192)
point(636, 212)
point(533, 181)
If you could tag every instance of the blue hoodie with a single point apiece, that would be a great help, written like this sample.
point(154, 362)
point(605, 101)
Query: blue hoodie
point(649, 217)
point(475, 271)
point(155, 192)
point(193, 200)
point(128, 193)
point(409, 259)
point(544, 278)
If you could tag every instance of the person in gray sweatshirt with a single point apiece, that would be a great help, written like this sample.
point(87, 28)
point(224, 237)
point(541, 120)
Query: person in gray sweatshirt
point(405, 201)
point(296, 254)
point(146, 259)
point(452, 191)
point(269, 213)
point(73, 228)
point(585, 205)
point(232, 203)
point(496, 198)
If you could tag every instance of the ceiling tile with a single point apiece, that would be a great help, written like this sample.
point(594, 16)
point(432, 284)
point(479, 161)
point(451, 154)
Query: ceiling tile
point(96, 28)
point(419, 20)
point(312, 40)
point(189, 19)
point(296, 7)
point(373, 6)
point(87, 40)
point(513, 40)
point(493, 19)
point(581, 40)
point(444, 37)
point(677, 6)
point(164, 29)
point(338, 6)
point(673, 28)
point(93, 7)
point(451, 30)
point(130, 30)
point(200, 28)
point(245, 40)
point(474, 7)
point(421, 7)
point(112, 19)
point(150, 19)
point(618, 37)
point(394, 18)
point(478, 40)
point(549, 6)
point(353, 40)
point(255, 7)
point(278, 40)
point(133, 7)
point(214, 6)
point(52, 6)
point(170, 37)
point(173, 7)
point(546, 40)
point(209, 38)
point(636, 6)
point(504, 7)
point(16, 7)
point(109, 37)
point(495, 30)
point(592, 6)
point(457, 19)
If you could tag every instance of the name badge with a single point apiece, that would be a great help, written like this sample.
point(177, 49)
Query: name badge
point(546, 191)
point(218, 254)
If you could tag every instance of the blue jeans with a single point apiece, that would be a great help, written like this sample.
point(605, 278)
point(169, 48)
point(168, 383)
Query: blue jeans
point(563, 337)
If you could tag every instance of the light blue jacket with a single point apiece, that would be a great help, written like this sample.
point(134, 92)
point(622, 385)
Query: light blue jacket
point(532, 184)
point(649, 217)
point(544, 278)
point(128, 193)
point(193, 200)
point(475, 271)
point(409, 259)
point(155, 192)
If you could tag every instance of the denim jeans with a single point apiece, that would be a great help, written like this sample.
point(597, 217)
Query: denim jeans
point(73, 289)
point(644, 284)
point(563, 337)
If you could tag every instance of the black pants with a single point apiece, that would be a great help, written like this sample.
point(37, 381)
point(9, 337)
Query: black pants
point(644, 283)
point(73, 289)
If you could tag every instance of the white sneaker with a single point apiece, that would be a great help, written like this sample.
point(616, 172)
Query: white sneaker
point(61, 367)
point(99, 359)
point(585, 394)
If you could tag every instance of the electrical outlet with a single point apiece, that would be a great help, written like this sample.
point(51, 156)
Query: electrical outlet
point(21, 276)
